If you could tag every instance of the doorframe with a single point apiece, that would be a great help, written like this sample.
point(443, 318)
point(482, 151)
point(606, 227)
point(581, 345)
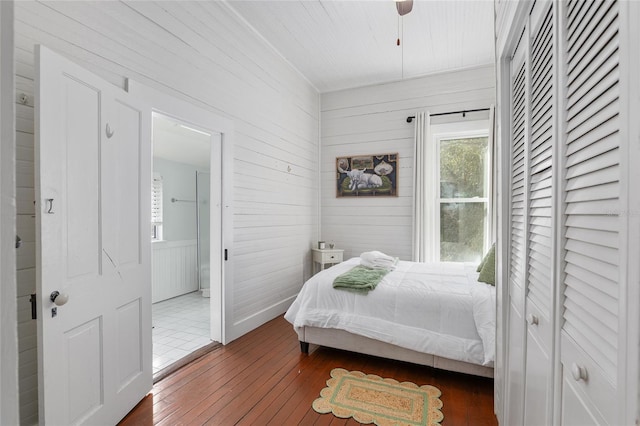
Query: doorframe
point(514, 17)
point(189, 113)
point(9, 412)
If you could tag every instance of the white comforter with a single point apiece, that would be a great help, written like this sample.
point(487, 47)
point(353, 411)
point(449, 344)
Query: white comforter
point(436, 308)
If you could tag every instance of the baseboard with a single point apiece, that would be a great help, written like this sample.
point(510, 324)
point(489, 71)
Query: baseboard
point(245, 325)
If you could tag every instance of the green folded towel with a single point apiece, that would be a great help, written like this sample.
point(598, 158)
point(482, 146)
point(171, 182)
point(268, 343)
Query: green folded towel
point(360, 279)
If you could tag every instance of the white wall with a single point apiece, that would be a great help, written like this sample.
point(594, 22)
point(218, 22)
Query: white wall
point(372, 120)
point(8, 332)
point(199, 52)
point(174, 269)
point(178, 181)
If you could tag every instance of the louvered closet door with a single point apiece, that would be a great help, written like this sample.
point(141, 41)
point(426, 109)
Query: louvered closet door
point(589, 338)
point(518, 174)
point(517, 251)
point(539, 313)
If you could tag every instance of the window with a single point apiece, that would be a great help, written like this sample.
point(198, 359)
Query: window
point(463, 198)
point(463, 194)
point(156, 209)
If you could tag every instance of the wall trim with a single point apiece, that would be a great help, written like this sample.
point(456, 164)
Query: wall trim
point(254, 321)
point(222, 132)
point(9, 413)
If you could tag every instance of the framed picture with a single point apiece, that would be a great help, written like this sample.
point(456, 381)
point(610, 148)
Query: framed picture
point(367, 175)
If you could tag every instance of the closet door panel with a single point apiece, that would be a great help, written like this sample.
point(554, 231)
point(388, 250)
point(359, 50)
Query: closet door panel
point(518, 206)
point(516, 372)
point(587, 382)
point(592, 186)
point(591, 198)
point(540, 218)
point(515, 378)
point(538, 374)
point(574, 404)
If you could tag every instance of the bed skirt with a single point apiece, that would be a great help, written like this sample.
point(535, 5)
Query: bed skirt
point(340, 339)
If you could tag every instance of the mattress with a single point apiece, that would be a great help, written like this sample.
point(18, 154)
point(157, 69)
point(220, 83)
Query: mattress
point(435, 308)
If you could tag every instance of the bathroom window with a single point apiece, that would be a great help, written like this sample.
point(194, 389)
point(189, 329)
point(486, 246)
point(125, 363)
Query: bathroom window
point(156, 209)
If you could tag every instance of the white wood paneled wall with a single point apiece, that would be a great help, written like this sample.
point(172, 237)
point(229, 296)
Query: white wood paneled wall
point(202, 53)
point(372, 120)
point(174, 269)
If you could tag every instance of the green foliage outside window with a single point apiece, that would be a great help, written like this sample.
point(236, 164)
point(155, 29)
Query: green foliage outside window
point(463, 165)
point(463, 172)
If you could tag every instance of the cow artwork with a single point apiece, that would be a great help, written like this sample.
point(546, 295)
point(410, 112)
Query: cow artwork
point(367, 175)
point(362, 180)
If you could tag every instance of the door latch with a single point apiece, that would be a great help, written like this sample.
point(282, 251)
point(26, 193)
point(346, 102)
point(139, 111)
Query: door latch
point(49, 210)
point(34, 308)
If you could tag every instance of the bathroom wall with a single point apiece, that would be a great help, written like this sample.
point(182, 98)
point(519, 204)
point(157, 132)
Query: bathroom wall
point(175, 258)
point(178, 181)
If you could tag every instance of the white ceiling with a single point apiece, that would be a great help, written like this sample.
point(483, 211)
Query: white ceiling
point(343, 44)
point(177, 142)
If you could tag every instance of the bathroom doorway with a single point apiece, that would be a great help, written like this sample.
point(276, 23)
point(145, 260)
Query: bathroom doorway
point(181, 241)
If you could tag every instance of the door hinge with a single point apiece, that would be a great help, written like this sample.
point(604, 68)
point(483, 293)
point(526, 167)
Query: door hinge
point(34, 308)
point(226, 255)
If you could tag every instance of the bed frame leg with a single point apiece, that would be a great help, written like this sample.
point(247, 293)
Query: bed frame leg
point(304, 347)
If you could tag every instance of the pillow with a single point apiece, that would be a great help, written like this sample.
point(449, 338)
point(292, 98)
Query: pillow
point(488, 271)
point(484, 260)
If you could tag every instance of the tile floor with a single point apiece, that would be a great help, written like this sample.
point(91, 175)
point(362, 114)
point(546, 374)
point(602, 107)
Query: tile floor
point(180, 326)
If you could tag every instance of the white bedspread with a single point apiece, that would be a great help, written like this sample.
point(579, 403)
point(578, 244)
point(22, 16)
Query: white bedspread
point(436, 308)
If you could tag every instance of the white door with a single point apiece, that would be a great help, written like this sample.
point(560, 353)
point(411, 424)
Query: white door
point(593, 334)
point(93, 190)
point(540, 219)
point(517, 241)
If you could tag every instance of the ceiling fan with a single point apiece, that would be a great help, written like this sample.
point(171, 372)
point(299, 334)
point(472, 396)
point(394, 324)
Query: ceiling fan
point(403, 7)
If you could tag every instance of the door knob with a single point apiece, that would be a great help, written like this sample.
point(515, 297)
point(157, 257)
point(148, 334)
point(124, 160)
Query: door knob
point(579, 373)
point(532, 319)
point(59, 298)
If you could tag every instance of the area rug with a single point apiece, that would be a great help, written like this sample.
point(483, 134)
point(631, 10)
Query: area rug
point(371, 399)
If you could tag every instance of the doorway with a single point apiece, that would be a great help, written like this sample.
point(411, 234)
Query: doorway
point(181, 241)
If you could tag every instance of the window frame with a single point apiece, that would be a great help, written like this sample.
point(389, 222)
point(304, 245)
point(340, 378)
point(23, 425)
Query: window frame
point(157, 226)
point(461, 130)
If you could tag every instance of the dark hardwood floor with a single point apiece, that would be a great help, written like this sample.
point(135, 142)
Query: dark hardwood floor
point(263, 379)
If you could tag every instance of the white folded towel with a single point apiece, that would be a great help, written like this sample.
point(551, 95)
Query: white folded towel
point(378, 260)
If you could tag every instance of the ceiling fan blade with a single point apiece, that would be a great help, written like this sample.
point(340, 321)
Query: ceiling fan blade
point(404, 6)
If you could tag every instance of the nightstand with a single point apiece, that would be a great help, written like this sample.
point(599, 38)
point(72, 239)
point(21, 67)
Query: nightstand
point(326, 256)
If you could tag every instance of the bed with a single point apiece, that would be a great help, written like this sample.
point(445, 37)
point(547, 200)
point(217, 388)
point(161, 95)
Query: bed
point(434, 314)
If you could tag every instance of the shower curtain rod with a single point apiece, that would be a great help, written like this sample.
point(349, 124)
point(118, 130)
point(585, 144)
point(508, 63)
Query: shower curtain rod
point(176, 200)
point(463, 112)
